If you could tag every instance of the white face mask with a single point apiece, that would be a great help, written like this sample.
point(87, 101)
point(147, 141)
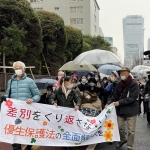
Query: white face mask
point(112, 79)
point(92, 84)
point(18, 72)
point(88, 97)
point(96, 78)
point(75, 85)
point(105, 81)
point(49, 92)
point(84, 80)
point(70, 86)
point(123, 77)
point(59, 77)
point(88, 78)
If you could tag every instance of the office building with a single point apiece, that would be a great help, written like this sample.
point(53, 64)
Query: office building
point(133, 36)
point(81, 14)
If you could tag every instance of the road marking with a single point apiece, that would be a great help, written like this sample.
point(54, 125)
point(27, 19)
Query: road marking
point(91, 147)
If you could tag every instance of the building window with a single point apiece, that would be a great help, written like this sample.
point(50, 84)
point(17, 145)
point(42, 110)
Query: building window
point(36, 9)
point(80, 9)
point(35, 1)
point(76, 9)
point(72, 9)
point(76, 21)
point(56, 8)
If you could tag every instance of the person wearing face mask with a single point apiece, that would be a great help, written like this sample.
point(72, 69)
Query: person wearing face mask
point(60, 75)
point(89, 75)
point(45, 97)
point(91, 105)
point(83, 84)
point(75, 83)
point(147, 91)
point(92, 87)
point(104, 82)
point(97, 77)
point(65, 96)
point(114, 77)
point(126, 99)
point(20, 87)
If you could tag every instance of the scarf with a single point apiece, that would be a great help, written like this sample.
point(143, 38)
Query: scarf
point(66, 92)
point(125, 83)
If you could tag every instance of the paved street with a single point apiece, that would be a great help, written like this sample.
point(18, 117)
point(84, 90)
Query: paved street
point(142, 140)
point(142, 137)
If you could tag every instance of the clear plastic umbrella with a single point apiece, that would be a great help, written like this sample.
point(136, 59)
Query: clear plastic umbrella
point(139, 68)
point(70, 66)
point(142, 73)
point(97, 57)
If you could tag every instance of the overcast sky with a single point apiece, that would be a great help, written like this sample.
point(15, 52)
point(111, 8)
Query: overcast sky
point(113, 11)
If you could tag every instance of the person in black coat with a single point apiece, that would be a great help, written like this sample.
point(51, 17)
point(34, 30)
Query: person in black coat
point(92, 87)
point(147, 91)
point(45, 97)
point(125, 98)
point(141, 86)
point(83, 84)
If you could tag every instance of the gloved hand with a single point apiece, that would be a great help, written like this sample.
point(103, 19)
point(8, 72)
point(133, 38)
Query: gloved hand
point(3, 98)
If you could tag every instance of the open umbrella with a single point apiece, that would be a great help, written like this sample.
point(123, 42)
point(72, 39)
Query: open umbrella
point(97, 57)
point(43, 83)
point(70, 66)
point(139, 67)
point(107, 69)
point(142, 73)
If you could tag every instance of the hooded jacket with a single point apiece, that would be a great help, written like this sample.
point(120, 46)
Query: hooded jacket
point(22, 89)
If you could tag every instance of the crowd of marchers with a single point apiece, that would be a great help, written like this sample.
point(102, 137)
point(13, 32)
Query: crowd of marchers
point(89, 94)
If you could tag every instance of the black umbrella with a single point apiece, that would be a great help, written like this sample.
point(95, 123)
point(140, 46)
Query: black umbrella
point(43, 83)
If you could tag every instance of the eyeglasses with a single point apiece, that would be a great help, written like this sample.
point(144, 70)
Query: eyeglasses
point(74, 79)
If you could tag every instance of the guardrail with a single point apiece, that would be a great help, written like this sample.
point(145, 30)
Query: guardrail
point(4, 77)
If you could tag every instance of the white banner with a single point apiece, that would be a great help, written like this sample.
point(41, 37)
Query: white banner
point(47, 125)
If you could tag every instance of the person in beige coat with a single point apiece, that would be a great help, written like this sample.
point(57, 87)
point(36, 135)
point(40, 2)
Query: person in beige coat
point(91, 104)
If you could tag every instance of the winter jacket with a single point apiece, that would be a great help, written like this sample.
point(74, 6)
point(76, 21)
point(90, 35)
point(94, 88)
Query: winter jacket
point(94, 105)
point(146, 89)
point(82, 87)
point(128, 104)
point(59, 98)
point(23, 89)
